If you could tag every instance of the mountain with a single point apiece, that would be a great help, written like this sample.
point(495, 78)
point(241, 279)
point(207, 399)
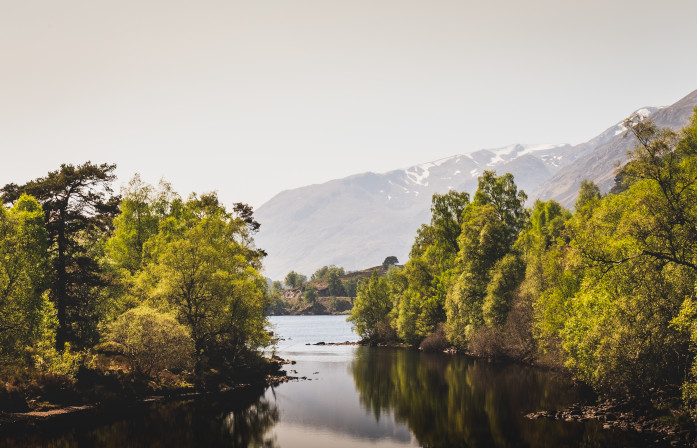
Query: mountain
point(598, 159)
point(359, 220)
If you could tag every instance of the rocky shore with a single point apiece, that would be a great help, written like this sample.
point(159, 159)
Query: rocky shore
point(335, 343)
point(104, 404)
point(653, 419)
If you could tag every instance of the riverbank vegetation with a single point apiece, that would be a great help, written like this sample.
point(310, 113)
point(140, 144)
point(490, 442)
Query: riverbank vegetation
point(100, 291)
point(608, 290)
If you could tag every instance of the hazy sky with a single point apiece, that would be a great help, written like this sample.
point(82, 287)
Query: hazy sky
point(253, 97)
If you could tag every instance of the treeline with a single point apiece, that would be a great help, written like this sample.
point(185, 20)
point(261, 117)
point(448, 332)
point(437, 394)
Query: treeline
point(145, 281)
point(296, 295)
point(608, 290)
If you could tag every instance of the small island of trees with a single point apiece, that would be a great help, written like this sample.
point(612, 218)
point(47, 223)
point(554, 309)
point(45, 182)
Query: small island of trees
point(97, 289)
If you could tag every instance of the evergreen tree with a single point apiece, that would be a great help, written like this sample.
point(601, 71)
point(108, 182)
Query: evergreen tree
point(78, 211)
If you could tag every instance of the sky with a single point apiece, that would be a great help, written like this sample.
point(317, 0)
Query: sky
point(249, 98)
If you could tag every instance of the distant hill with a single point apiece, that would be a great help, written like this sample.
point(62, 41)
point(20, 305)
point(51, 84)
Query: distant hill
point(293, 303)
point(361, 219)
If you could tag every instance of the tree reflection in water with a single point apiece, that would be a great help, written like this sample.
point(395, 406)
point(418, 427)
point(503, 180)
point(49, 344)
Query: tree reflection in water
point(234, 420)
point(457, 401)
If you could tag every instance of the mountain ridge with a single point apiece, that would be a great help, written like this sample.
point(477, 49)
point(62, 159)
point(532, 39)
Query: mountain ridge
point(360, 219)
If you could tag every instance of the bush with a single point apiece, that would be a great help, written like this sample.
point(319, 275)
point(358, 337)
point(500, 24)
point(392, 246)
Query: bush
point(152, 341)
point(436, 341)
point(486, 342)
point(384, 333)
point(310, 295)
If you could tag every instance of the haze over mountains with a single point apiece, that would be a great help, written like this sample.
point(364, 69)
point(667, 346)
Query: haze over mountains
point(359, 220)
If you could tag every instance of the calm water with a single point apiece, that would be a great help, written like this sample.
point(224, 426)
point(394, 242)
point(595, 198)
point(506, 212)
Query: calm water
point(354, 397)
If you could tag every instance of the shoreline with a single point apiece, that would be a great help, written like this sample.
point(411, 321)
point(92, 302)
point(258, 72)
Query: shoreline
point(627, 414)
point(109, 408)
point(657, 420)
point(102, 412)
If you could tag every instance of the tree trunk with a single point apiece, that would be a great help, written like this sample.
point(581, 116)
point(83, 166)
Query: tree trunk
point(61, 292)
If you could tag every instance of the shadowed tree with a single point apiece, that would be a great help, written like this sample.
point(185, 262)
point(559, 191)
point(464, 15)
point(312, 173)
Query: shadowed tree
point(78, 209)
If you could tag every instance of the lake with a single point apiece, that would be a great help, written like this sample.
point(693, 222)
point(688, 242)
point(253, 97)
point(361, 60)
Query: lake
point(355, 397)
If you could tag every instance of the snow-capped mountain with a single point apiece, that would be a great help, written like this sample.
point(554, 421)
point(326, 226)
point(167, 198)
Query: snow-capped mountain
point(598, 159)
point(359, 220)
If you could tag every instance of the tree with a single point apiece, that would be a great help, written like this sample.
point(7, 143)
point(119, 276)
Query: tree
point(623, 329)
point(310, 295)
point(294, 280)
point(276, 288)
point(506, 276)
point(389, 261)
point(483, 243)
point(490, 226)
point(324, 272)
point(22, 265)
point(142, 209)
point(371, 308)
point(78, 209)
point(501, 193)
point(588, 192)
point(550, 275)
point(336, 288)
point(351, 287)
point(419, 293)
point(204, 266)
point(446, 221)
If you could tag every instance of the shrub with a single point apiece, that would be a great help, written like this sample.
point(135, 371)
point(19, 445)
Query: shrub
point(436, 341)
point(152, 341)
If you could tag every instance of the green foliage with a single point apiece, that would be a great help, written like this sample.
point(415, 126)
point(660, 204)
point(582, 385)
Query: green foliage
point(195, 261)
point(22, 270)
point(608, 291)
point(310, 295)
point(276, 288)
point(152, 341)
point(420, 289)
point(501, 193)
point(490, 226)
point(627, 271)
point(295, 280)
point(45, 357)
point(205, 268)
point(323, 273)
point(336, 287)
point(170, 279)
point(686, 322)
point(389, 261)
point(505, 279)
point(371, 307)
point(351, 287)
point(588, 192)
point(78, 209)
point(551, 277)
point(142, 210)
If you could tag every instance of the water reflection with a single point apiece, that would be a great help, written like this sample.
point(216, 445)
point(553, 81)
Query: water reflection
point(353, 397)
point(239, 420)
point(455, 401)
